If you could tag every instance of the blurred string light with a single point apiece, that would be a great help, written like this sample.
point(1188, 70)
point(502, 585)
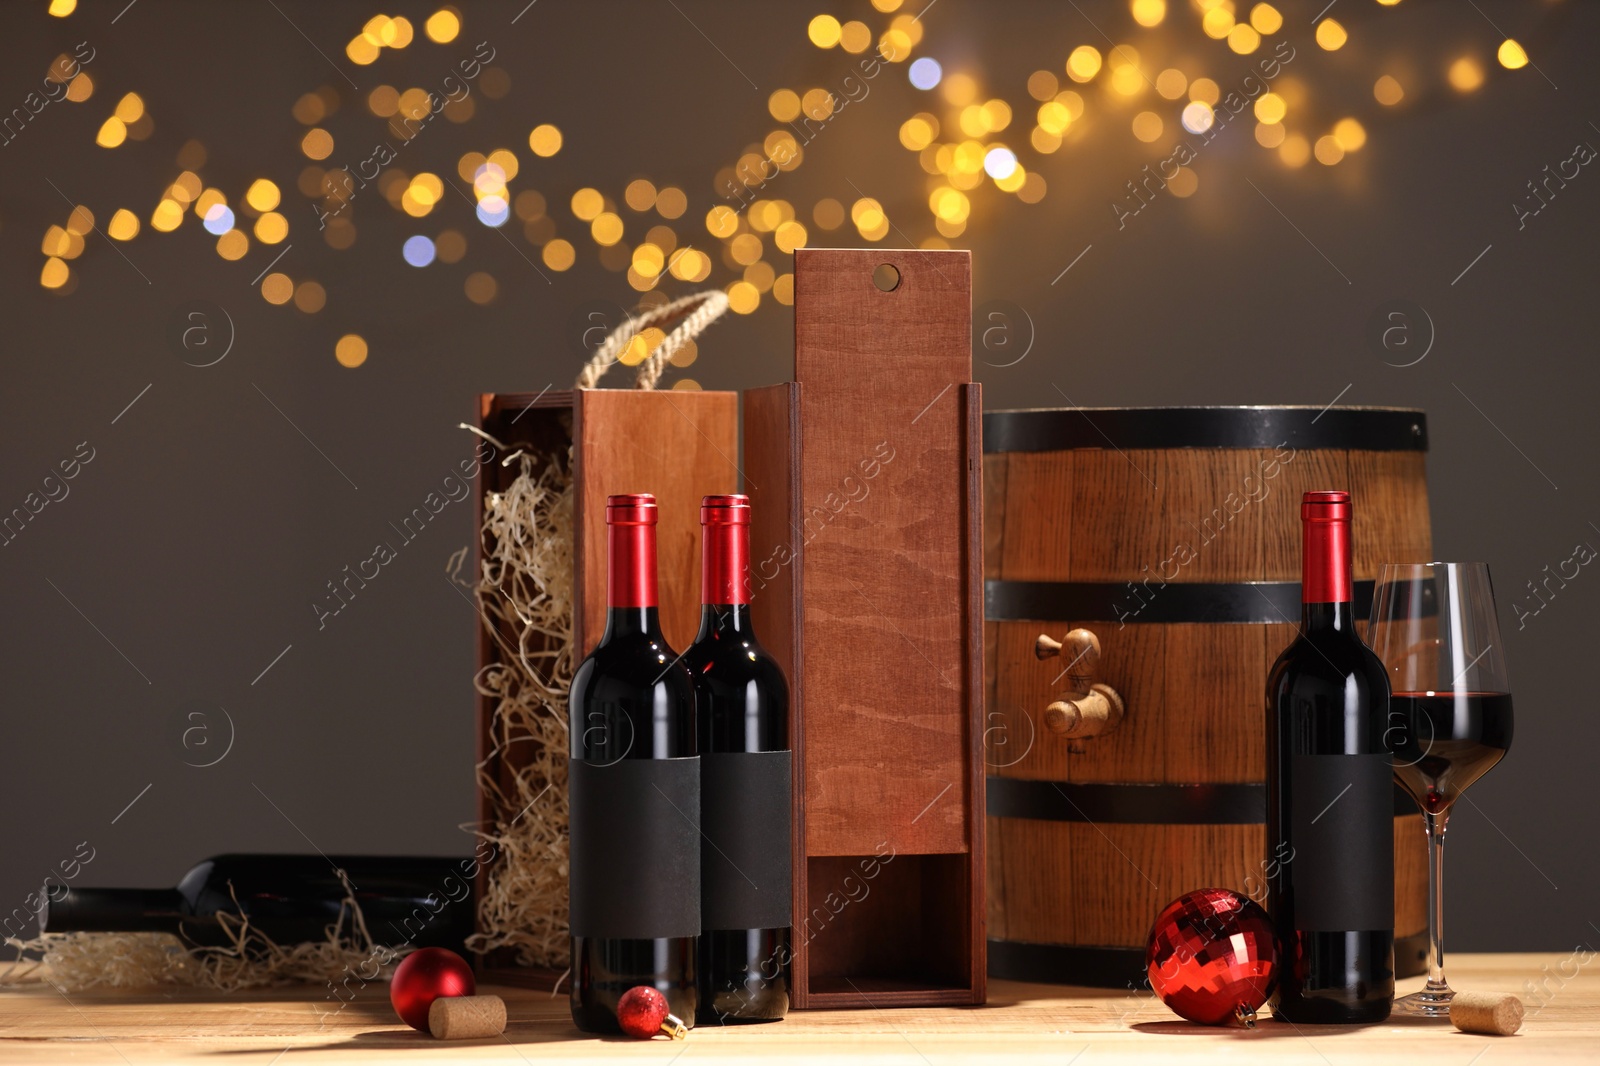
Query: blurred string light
point(969, 144)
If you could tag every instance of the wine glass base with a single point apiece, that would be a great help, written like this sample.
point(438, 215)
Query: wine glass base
point(1429, 1003)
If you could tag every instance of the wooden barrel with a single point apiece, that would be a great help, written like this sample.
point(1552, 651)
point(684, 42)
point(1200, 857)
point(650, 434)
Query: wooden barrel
point(1172, 534)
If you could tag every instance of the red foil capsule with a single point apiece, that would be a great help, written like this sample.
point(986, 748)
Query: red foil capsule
point(725, 529)
point(631, 554)
point(1325, 561)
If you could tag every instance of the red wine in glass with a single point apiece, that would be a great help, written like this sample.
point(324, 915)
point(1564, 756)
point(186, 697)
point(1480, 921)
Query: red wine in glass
point(1444, 741)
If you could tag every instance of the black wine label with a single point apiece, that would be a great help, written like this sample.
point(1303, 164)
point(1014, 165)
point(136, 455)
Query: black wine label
point(635, 848)
point(746, 861)
point(1341, 815)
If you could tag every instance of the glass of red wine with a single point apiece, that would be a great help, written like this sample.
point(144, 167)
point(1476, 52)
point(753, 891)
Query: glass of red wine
point(1434, 627)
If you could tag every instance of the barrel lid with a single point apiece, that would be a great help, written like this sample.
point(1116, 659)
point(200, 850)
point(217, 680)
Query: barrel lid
point(1052, 429)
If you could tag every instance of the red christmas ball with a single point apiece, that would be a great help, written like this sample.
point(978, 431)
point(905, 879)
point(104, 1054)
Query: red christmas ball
point(642, 1011)
point(1211, 957)
point(424, 976)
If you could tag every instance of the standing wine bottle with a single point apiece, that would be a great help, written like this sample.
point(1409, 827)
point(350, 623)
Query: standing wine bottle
point(634, 794)
point(423, 902)
point(746, 774)
point(1330, 796)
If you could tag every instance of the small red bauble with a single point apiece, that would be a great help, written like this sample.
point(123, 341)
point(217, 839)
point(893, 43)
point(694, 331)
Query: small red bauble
point(1212, 957)
point(642, 1012)
point(424, 976)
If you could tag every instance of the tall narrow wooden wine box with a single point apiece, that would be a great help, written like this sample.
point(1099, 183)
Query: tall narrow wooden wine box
point(679, 445)
point(866, 576)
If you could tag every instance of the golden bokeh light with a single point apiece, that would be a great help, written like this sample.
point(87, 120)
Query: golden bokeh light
point(1270, 108)
point(124, 225)
point(112, 133)
point(80, 220)
point(167, 216)
point(1205, 91)
point(671, 202)
point(310, 297)
point(587, 204)
point(1331, 35)
point(262, 195)
point(743, 297)
point(1244, 39)
point(481, 288)
point(1084, 63)
point(784, 105)
point(362, 50)
point(277, 289)
point(1183, 183)
point(1465, 74)
point(1148, 12)
point(855, 37)
point(317, 144)
point(1266, 19)
point(1350, 134)
point(828, 214)
point(824, 31)
point(1511, 55)
point(640, 195)
point(233, 245)
point(1172, 83)
point(1328, 150)
point(443, 25)
point(1147, 126)
point(1217, 22)
point(351, 350)
point(62, 8)
point(130, 108)
point(545, 140)
point(1295, 150)
point(271, 228)
point(1270, 135)
point(1388, 91)
point(80, 88)
point(55, 273)
point(559, 254)
point(606, 229)
point(1043, 85)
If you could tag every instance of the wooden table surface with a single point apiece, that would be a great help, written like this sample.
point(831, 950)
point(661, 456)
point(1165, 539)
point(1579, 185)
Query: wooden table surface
point(1022, 1022)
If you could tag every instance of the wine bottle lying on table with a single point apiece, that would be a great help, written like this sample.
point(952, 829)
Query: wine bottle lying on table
point(292, 899)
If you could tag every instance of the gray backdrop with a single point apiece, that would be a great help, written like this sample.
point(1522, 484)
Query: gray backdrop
point(176, 579)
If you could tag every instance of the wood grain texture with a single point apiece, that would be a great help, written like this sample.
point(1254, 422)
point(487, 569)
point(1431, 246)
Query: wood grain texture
point(1193, 692)
point(679, 445)
point(882, 594)
point(1021, 1023)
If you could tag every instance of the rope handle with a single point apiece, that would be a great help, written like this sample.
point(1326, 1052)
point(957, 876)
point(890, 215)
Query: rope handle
point(698, 310)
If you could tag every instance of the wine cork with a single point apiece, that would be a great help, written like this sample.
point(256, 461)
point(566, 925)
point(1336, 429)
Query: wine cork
point(1493, 1013)
point(464, 1017)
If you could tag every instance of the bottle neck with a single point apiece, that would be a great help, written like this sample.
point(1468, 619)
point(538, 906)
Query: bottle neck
point(1325, 578)
point(631, 578)
point(725, 560)
point(113, 910)
point(729, 618)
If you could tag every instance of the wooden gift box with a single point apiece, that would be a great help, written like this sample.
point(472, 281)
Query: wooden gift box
point(679, 445)
point(866, 576)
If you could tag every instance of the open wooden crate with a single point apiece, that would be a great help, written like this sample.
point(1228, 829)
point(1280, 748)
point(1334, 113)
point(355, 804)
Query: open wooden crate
point(679, 445)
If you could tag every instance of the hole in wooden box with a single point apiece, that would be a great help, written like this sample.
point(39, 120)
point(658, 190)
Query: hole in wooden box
point(888, 923)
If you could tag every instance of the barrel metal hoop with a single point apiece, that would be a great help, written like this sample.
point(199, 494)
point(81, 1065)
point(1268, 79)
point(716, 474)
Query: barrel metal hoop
point(1252, 602)
point(1139, 804)
point(1056, 429)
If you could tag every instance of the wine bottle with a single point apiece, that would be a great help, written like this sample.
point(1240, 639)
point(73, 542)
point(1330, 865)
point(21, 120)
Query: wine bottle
point(425, 902)
point(634, 794)
point(1330, 796)
point(746, 773)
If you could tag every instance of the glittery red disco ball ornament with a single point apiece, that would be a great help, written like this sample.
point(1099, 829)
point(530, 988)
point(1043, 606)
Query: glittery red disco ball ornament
point(424, 976)
point(1211, 957)
point(642, 1012)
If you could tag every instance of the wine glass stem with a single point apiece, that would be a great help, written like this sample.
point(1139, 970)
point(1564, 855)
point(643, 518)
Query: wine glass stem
point(1435, 824)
